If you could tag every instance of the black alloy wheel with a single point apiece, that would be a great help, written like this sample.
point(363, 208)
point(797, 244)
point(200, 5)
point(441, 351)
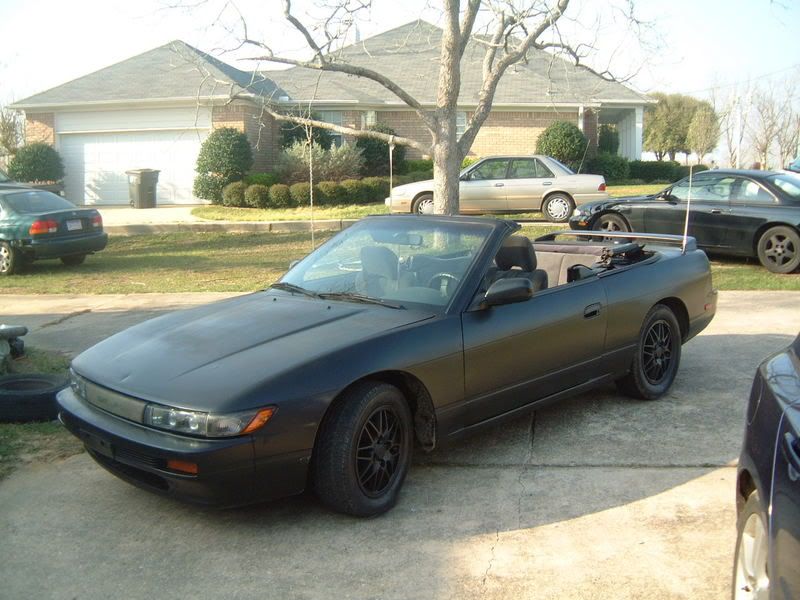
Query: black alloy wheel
point(378, 451)
point(611, 223)
point(657, 352)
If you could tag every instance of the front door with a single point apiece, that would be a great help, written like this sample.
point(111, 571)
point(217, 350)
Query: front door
point(518, 353)
point(528, 181)
point(483, 189)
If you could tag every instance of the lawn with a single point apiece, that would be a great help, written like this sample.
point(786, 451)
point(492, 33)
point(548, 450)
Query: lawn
point(228, 262)
point(356, 211)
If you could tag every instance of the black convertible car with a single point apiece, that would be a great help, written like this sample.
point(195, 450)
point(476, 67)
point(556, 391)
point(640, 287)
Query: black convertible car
point(741, 213)
point(768, 483)
point(400, 328)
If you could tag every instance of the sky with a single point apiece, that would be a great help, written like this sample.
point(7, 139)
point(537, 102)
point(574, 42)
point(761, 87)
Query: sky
point(690, 46)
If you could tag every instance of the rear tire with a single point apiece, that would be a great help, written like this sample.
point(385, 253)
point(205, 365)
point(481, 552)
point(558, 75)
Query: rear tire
point(423, 205)
point(558, 207)
point(779, 249)
point(750, 576)
point(363, 450)
point(32, 397)
point(10, 259)
point(658, 355)
point(74, 260)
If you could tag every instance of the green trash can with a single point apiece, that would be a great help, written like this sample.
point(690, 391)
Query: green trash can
point(142, 187)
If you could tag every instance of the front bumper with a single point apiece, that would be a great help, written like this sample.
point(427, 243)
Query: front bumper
point(399, 204)
point(58, 247)
point(228, 472)
point(580, 222)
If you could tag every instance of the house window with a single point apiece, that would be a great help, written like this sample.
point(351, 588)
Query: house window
point(461, 123)
point(335, 118)
point(369, 118)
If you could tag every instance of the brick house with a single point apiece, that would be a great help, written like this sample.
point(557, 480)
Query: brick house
point(155, 109)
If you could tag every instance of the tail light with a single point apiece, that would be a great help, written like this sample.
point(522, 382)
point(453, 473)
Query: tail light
point(601, 187)
point(41, 226)
point(97, 221)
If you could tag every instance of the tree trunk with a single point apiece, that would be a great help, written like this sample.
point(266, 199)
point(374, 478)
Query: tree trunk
point(446, 169)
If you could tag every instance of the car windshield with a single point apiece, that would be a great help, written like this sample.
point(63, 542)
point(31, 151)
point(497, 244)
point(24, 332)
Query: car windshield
point(31, 202)
point(399, 262)
point(788, 184)
point(563, 166)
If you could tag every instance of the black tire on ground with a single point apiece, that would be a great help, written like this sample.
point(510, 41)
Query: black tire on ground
point(363, 450)
point(10, 259)
point(558, 207)
point(658, 355)
point(611, 222)
point(423, 205)
point(779, 249)
point(74, 260)
point(31, 397)
point(743, 582)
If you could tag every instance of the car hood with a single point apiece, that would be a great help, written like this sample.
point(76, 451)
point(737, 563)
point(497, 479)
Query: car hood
point(215, 357)
point(598, 205)
point(415, 187)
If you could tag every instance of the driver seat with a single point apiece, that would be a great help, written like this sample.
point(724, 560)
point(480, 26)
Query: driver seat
point(380, 272)
point(517, 258)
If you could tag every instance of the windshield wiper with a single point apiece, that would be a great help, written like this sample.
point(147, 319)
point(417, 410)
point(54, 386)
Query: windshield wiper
point(351, 297)
point(296, 289)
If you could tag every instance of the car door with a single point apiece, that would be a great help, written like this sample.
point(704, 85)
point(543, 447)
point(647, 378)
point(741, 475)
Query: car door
point(518, 353)
point(751, 204)
point(784, 526)
point(483, 189)
point(527, 183)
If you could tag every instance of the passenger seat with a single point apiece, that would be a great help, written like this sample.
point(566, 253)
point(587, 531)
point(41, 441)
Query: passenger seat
point(516, 258)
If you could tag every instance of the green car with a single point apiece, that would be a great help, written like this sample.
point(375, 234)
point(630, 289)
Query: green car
point(35, 225)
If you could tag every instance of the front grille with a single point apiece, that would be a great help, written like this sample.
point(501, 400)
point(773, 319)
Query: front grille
point(124, 471)
point(132, 456)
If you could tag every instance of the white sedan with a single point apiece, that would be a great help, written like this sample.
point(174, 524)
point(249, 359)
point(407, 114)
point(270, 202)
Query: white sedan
point(507, 184)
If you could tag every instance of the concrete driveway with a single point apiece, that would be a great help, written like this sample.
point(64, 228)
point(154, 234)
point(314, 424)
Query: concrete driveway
point(597, 497)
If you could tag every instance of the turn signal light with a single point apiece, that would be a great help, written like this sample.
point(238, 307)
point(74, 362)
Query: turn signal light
point(97, 221)
point(182, 466)
point(601, 187)
point(261, 418)
point(41, 226)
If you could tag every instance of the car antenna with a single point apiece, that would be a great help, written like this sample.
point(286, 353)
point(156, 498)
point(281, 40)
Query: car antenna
point(688, 206)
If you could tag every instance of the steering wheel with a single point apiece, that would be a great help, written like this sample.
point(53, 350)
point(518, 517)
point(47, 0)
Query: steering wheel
point(443, 281)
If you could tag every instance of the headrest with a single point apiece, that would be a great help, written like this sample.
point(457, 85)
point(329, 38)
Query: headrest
point(517, 251)
point(379, 260)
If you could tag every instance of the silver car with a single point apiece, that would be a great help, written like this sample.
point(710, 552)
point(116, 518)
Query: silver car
point(507, 184)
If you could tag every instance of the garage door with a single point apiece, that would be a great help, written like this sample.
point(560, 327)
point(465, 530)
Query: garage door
point(95, 160)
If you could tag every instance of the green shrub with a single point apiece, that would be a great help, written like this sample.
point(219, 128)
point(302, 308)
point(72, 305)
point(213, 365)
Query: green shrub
point(208, 186)
point(401, 180)
point(682, 171)
point(331, 192)
point(226, 152)
point(36, 162)
point(336, 164)
point(650, 170)
point(344, 162)
point(469, 160)
point(233, 194)
point(301, 193)
point(608, 139)
point(563, 141)
point(376, 152)
point(628, 182)
point(280, 196)
point(355, 191)
point(266, 179)
point(611, 166)
point(257, 196)
point(376, 188)
point(424, 164)
point(419, 176)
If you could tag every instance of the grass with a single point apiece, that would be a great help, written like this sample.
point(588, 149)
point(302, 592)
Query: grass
point(357, 211)
point(26, 443)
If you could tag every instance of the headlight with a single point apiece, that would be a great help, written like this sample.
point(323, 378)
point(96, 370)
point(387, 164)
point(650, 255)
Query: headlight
point(78, 384)
point(577, 212)
point(206, 424)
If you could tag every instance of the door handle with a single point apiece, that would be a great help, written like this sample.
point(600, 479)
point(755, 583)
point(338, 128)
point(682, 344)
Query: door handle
point(591, 311)
point(547, 183)
point(499, 184)
point(792, 456)
point(716, 211)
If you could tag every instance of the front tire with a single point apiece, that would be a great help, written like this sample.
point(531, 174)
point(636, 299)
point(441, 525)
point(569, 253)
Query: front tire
point(611, 223)
point(779, 249)
point(10, 259)
point(750, 576)
point(558, 207)
point(363, 451)
point(658, 355)
point(423, 205)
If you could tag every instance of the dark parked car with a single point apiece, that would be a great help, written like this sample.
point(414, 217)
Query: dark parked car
point(742, 213)
point(767, 563)
point(36, 225)
point(794, 166)
point(399, 327)
point(6, 183)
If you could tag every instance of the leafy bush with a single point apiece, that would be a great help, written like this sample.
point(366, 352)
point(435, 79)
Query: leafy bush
point(682, 171)
point(424, 164)
point(419, 176)
point(266, 179)
point(292, 133)
point(344, 162)
point(649, 170)
point(280, 196)
point(233, 194)
point(257, 196)
point(376, 152)
point(355, 191)
point(301, 193)
point(611, 166)
point(208, 186)
point(401, 180)
point(469, 160)
point(376, 188)
point(36, 162)
point(608, 139)
point(563, 141)
point(331, 192)
point(226, 152)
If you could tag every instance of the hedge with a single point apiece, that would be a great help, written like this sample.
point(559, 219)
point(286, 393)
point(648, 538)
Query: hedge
point(661, 170)
point(267, 179)
point(611, 166)
point(376, 188)
point(331, 192)
point(425, 164)
point(257, 196)
point(280, 196)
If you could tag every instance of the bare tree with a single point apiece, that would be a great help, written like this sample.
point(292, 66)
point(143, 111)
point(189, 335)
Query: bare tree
point(703, 133)
point(765, 124)
point(787, 138)
point(507, 30)
point(10, 131)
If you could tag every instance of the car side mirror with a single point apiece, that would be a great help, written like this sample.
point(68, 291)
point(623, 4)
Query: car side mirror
point(508, 291)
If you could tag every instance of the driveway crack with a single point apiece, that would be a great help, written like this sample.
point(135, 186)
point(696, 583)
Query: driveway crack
point(66, 317)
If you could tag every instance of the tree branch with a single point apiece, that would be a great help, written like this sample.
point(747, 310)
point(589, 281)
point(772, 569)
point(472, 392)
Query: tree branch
point(467, 23)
